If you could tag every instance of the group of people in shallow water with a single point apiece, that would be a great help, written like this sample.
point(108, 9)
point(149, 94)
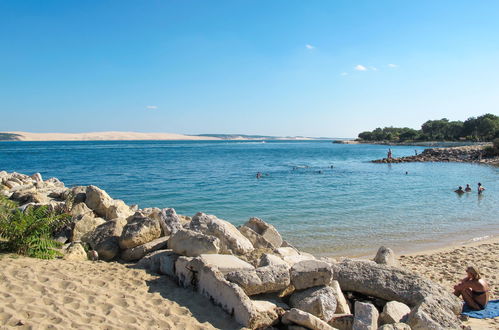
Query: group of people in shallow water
point(460, 190)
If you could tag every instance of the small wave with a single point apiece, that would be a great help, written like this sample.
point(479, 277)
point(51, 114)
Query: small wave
point(479, 238)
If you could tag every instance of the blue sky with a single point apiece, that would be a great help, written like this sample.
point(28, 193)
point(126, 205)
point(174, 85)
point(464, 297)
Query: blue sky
point(312, 68)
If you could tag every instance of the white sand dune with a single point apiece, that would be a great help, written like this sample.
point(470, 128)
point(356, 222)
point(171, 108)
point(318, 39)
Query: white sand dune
point(60, 294)
point(106, 136)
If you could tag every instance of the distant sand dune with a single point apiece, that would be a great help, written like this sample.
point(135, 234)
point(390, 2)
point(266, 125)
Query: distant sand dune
point(60, 294)
point(105, 136)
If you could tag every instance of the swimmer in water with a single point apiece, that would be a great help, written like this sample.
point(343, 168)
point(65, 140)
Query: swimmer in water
point(459, 190)
point(258, 175)
point(468, 188)
point(480, 188)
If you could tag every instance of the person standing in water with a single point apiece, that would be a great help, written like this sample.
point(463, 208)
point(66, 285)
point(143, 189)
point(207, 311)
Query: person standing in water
point(468, 188)
point(459, 190)
point(480, 188)
point(389, 155)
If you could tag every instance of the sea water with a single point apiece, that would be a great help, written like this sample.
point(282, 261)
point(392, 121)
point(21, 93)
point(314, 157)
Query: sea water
point(324, 198)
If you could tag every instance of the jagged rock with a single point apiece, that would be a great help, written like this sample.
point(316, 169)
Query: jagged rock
point(79, 194)
point(138, 231)
point(395, 326)
point(75, 252)
point(261, 280)
point(386, 256)
point(256, 239)
point(170, 222)
point(366, 316)
point(80, 209)
point(342, 321)
point(309, 273)
point(85, 226)
point(11, 184)
point(226, 263)
point(105, 238)
point(391, 283)
point(98, 200)
point(305, 319)
point(319, 301)
point(268, 259)
point(184, 271)
point(267, 234)
point(54, 182)
point(231, 298)
point(140, 251)
point(342, 306)
point(37, 177)
point(291, 256)
point(118, 209)
point(231, 240)
point(192, 244)
point(30, 196)
point(432, 313)
point(394, 312)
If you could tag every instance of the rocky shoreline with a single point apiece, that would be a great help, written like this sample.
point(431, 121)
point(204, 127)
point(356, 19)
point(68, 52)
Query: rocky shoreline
point(463, 154)
point(250, 271)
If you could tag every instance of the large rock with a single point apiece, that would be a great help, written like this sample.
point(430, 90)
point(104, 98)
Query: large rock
point(342, 321)
point(170, 222)
point(140, 251)
point(80, 209)
point(160, 262)
point(432, 314)
point(98, 200)
point(319, 301)
point(268, 259)
point(118, 209)
point(261, 280)
point(211, 283)
point(256, 239)
point(105, 238)
point(305, 319)
point(386, 256)
point(79, 194)
point(75, 252)
point(395, 326)
point(394, 312)
point(342, 306)
point(309, 273)
point(192, 244)
point(366, 316)
point(267, 234)
point(226, 263)
point(292, 256)
point(85, 225)
point(231, 240)
point(390, 283)
point(139, 230)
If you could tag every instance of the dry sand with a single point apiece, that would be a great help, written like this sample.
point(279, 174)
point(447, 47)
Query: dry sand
point(447, 267)
point(60, 294)
point(98, 295)
point(106, 136)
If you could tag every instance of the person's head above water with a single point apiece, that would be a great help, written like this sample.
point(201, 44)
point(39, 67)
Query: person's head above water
point(474, 272)
point(460, 188)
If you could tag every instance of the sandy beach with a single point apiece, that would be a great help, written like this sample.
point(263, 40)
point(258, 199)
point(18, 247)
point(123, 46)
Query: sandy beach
point(61, 294)
point(447, 267)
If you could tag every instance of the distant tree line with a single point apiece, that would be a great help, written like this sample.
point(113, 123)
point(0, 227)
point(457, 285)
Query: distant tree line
point(482, 128)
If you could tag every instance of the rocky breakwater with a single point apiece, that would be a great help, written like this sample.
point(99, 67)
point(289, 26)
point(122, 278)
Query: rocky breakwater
point(469, 154)
point(250, 271)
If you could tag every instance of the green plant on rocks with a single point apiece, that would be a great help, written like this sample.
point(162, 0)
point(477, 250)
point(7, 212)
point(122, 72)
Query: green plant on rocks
point(30, 232)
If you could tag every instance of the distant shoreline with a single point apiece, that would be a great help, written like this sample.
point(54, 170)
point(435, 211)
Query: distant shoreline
point(136, 136)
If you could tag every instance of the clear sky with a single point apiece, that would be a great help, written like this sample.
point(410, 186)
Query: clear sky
point(270, 67)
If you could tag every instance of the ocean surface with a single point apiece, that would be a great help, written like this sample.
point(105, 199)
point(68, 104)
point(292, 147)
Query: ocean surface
point(324, 198)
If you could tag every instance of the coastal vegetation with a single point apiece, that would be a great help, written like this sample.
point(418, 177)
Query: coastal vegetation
point(29, 232)
point(477, 129)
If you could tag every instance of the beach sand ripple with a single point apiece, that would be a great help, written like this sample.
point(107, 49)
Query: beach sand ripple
point(59, 294)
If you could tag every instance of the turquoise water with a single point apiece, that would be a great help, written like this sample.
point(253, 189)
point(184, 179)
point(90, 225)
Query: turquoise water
point(349, 209)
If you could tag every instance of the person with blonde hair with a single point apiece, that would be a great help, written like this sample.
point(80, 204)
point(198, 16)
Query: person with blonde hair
point(473, 289)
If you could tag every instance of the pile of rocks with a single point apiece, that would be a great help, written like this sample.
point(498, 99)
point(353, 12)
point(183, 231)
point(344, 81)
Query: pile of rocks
point(469, 154)
point(250, 271)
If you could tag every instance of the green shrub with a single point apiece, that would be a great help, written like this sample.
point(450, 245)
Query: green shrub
point(30, 232)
